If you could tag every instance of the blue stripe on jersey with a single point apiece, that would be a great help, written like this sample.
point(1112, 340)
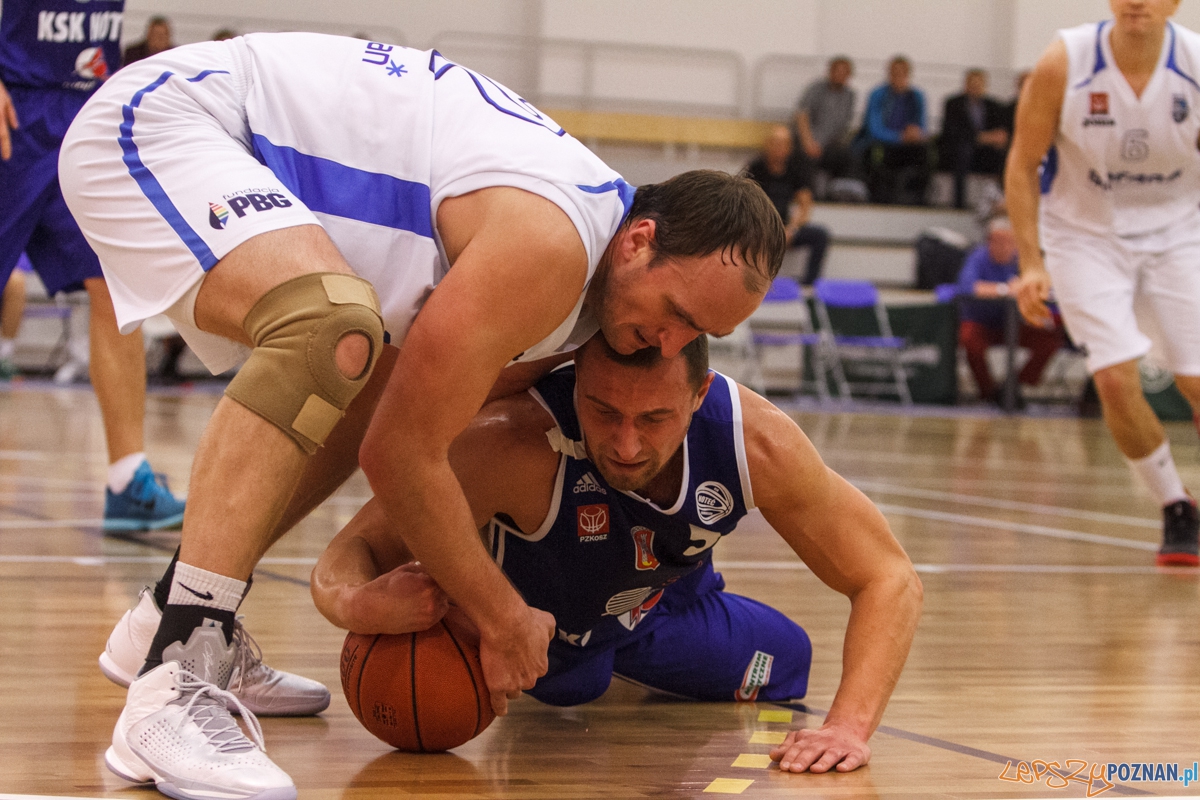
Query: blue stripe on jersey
point(1100, 64)
point(1173, 65)
point(1049, 169)
point(623, 190)
point(150, 185)
point(331, 188)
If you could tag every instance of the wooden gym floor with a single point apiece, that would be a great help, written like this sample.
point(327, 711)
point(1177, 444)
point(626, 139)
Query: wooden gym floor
point(1048, 633)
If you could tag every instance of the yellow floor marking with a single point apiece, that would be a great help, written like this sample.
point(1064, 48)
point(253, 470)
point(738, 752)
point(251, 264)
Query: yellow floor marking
point(728, 786)
point(752, 760)
point(774, 716)
point(768, 737)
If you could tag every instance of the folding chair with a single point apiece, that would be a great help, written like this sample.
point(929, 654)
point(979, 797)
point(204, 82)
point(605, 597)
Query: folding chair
point(883, 347)
point(786, 290)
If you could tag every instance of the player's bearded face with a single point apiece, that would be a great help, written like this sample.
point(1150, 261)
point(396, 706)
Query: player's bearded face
point(667, 303)
point(633, 420)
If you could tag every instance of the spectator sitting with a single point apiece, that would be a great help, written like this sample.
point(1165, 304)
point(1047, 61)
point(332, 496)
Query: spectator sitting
point(974, 139)
point(895, 138)
point(989, 273)
point(158, 39)
point(823, 117)
point(788, 182)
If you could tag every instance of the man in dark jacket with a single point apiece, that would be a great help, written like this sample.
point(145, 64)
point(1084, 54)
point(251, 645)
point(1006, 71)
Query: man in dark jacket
point(974, 138)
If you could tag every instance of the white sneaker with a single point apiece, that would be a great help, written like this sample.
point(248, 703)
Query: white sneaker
point(263, 690)
point(176, 731)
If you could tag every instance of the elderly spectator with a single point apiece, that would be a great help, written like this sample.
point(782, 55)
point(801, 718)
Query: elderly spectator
point(787, 180)
point(974, 139)
point(989, 274)
point(896, 138)
point(823, 117)
point(158, 39)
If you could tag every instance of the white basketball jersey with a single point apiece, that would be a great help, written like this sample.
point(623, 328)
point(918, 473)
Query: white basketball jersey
point(372, 137)
point(1123, 164)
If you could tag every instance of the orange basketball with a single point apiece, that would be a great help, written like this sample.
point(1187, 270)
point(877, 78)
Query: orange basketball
point(422, 692)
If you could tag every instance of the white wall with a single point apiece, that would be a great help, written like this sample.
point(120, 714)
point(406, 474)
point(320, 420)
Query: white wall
point(707, 57)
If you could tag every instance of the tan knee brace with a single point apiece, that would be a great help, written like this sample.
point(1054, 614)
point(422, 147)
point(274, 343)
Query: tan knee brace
point(291, 378)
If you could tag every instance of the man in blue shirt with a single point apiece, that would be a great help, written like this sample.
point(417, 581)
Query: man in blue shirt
point(896, 138)
point(53, 55)
point(558, 476)
point(989, 273)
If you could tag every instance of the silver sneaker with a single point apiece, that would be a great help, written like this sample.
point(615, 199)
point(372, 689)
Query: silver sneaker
point(177, 732)
point(263, 690)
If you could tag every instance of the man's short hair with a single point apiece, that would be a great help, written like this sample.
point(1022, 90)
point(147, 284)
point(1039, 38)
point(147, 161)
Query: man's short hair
point(900, 59)
point(695, 353)
point(980, 71)
point(999, 223)
point(157, 20)
point(840, 60)
point(708, 211)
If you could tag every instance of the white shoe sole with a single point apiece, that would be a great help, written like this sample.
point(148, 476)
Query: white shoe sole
point(124, 770)
point(113, 672)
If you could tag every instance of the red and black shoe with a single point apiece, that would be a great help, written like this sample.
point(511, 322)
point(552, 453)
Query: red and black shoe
point(1181, 535)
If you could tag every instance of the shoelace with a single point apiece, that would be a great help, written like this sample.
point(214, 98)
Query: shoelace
point(214, 720)
point(249, 654)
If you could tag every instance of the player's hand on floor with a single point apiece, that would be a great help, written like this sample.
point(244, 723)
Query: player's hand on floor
point(1032, 291)
point(404, 600)
point(514, 656)
point(828, 747)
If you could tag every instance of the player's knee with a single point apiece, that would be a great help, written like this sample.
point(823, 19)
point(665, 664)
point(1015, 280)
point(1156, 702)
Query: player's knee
point(353, 355)
point(316, 339)
point(1117, 385)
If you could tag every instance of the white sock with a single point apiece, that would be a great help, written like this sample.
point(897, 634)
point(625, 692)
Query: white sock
point(1158, 472)
point(193, 586)
point(8, 347)
point(120, 472)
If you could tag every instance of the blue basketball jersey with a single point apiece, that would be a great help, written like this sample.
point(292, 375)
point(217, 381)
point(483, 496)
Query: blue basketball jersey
point(601, 559)
point(59, 43)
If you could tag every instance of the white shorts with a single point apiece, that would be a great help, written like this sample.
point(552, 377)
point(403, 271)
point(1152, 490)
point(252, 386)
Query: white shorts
point(158, 170)
point(1120, 301)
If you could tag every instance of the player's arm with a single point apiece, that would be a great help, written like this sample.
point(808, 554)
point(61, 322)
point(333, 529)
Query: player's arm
point(846, 542)
point(1038, 112)
point(8, 120)
point(519, 266)
point(366, 580)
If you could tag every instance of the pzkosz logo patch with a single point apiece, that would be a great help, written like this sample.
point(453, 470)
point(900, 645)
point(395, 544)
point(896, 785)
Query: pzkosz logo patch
point(1179, 107)
point(592, 522)
point(713, 502)
point(643, 540)
point(758, 674)
point(1098, 102)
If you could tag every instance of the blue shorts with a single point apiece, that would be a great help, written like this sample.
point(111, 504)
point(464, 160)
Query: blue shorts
point(33, 216)
point(699, 642)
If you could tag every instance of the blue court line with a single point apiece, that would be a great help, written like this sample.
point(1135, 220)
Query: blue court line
point(953, 747)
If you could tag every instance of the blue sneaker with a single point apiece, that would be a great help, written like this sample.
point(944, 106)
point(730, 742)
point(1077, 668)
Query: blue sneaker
point(145, 505)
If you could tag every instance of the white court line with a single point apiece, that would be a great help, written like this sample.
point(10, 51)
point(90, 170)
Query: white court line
point(938, 569)
point(1008, 505)
point(99, 561)
point(21, 524)
point(1016, 527)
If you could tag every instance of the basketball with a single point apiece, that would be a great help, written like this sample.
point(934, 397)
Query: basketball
point(420, 692)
